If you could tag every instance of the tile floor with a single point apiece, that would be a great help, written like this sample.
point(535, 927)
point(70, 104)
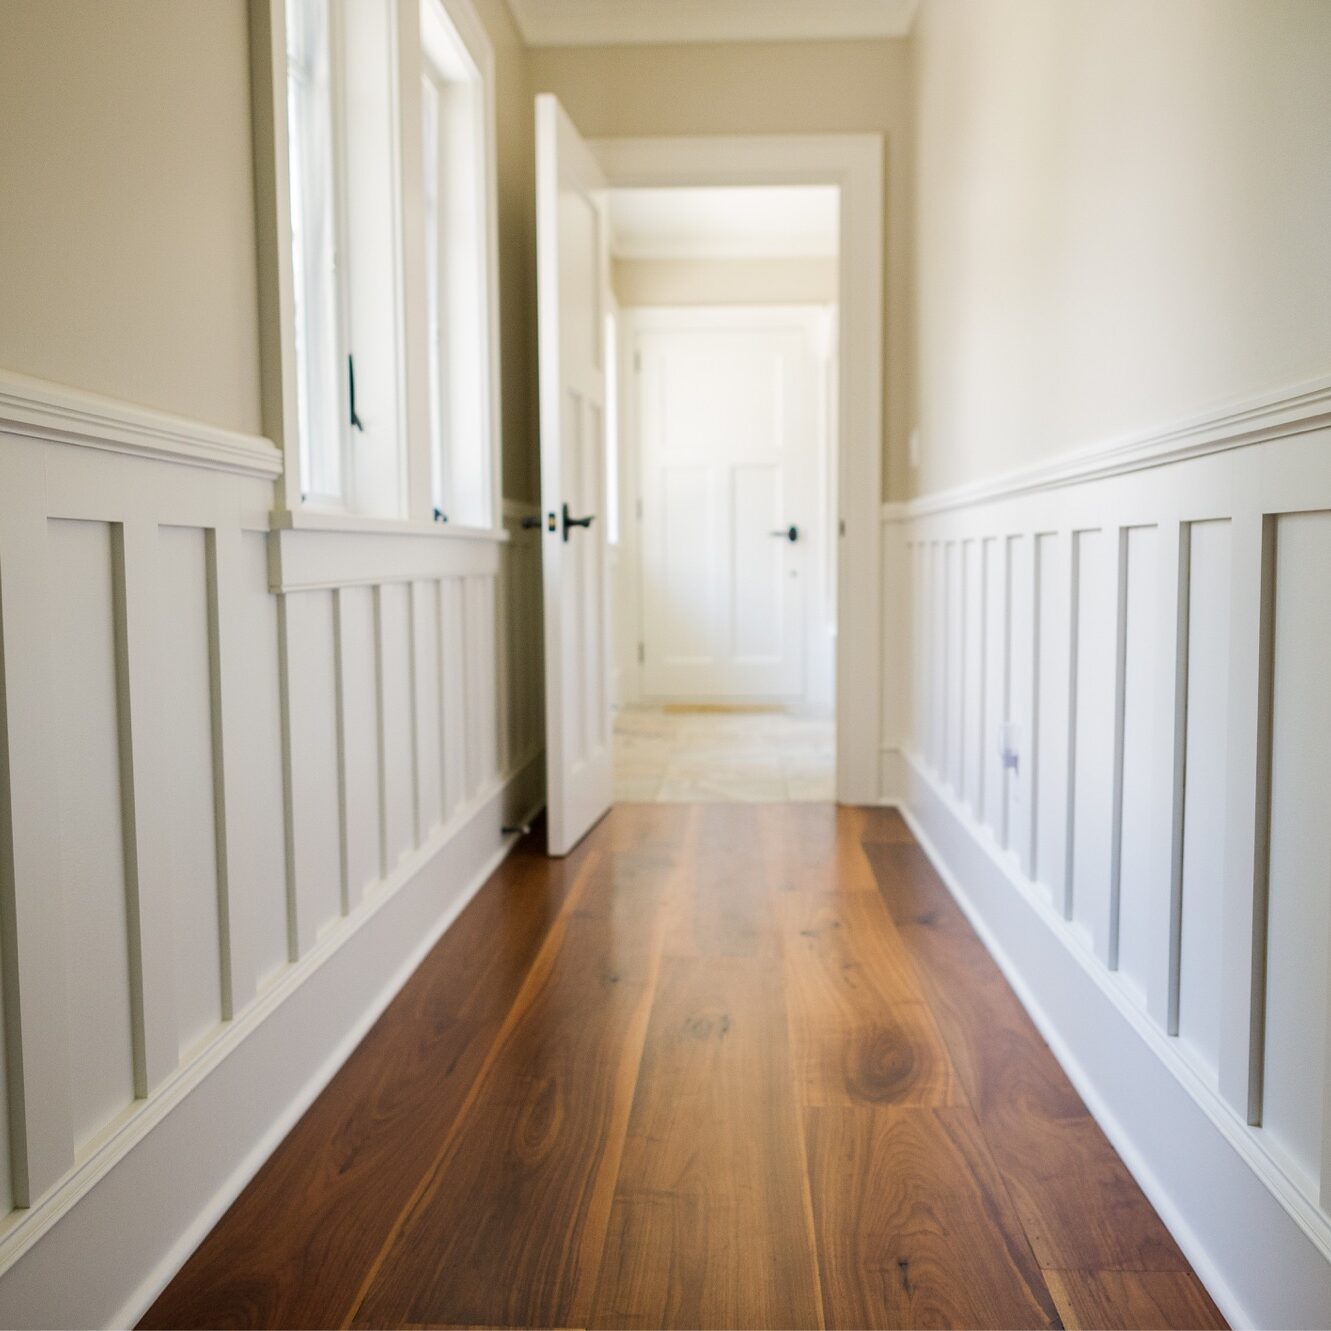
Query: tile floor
point(669, 755)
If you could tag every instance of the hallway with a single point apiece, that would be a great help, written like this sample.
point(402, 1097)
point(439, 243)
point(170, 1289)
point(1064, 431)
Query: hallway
point(687, 754)
point(727, 1065)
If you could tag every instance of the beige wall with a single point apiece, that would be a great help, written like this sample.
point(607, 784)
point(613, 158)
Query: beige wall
point(764, 88)
point(1123, 217)
point(127, 251)
point(127, 235)
point(795, 281)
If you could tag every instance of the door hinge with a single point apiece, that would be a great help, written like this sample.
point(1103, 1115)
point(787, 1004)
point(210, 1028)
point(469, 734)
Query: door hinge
point(642, 653)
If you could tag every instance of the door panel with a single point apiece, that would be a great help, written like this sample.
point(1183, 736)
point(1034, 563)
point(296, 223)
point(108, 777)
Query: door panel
point(728, 439)
point(571, 300)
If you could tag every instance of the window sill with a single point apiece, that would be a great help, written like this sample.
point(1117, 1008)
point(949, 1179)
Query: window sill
point(300, 519)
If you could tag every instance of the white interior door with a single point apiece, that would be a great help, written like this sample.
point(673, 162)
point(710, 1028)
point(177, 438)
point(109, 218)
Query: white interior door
point(728, 441)
point(571, 270)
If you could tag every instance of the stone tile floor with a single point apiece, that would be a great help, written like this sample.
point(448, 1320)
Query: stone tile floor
point(666, 755)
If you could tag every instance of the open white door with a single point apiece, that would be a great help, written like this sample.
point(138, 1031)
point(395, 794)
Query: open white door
point(571, 283)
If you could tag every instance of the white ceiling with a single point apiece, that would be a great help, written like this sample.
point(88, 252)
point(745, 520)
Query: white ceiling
point(749, 222)
point(632, 22)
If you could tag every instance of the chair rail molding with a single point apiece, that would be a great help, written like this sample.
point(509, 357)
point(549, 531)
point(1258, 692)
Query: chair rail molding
point(1294, 409)
point(55, 412)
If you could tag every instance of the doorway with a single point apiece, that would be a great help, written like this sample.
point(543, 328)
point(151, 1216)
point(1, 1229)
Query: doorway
point(722, 423)
point(580, 389)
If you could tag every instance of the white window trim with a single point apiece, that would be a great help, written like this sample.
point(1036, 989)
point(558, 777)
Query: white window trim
point(276, 286)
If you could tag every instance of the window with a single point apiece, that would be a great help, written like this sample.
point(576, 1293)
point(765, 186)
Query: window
point(314, 249)
point(345, 233)
point(361, 277)
point(456, 192)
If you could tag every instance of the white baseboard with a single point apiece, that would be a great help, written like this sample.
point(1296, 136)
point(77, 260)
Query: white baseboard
point(1261, 1260)
point(105, 1260)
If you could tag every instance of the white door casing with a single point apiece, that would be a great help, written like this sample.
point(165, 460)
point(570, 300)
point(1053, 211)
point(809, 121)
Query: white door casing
point(868, 705)
point(572, 282)
point(728, 439)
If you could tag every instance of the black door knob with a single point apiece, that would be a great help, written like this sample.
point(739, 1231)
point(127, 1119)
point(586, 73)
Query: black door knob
point(576, 522)
point(791, 533)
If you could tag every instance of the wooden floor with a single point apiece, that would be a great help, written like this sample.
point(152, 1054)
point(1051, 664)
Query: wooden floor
point(725, 1066)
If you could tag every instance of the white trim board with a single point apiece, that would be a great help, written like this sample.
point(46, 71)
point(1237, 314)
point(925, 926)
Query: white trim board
point(40, 409)
point(246, 1095)
point(854, 163)
point(1252, 1249)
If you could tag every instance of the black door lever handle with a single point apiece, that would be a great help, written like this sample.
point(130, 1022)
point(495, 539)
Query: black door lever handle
point(576, 522)
point(791, 533)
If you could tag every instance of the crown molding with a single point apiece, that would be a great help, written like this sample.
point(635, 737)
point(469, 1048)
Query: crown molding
point(649, 22)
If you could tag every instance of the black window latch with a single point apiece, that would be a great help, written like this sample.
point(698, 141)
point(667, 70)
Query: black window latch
point(351, 385)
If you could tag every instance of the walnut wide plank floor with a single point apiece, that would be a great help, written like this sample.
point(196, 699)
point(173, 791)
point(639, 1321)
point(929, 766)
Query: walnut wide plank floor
point(724, 1066)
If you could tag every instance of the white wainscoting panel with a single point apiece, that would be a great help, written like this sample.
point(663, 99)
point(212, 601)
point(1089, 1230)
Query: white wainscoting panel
point(1150, 631)
point(234, 762)
point(1298, 925)
point(185, 666)
point(95, 943)
point(1199, 974)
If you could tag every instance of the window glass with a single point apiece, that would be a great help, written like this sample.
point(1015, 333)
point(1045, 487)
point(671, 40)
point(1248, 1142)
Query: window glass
point(313, 243)
point(456, 191)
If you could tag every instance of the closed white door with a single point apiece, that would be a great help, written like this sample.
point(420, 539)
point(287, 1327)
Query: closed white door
point(728, 443)
point(571, 271)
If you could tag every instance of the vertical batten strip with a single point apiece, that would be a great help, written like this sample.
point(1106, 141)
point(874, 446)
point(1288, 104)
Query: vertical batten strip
point(295, 919)
point(1073, 603)
point(351, 891)
point(1172, 762)
point(938, 570)
point(415, 678)
point(1037, 630)
point(226, 683)
point(1005, 772)
point(1248, 809)
point(381, 728)
point(1120, 715)
point(982, 686)
point(508, 562)
point(41, 1128)
point(466, 738)
point(143, 804)
point(445, 786)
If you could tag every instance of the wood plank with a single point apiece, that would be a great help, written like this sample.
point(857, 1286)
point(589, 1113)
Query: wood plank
point(914, 1227)
point(294, 1248)
point(723, 908)
point(710, 1226)
point(1080, 1205)
point(817, 848)
point(1132, 1300)
point(911, 887)
point(860, 1033)
point(508, 1224)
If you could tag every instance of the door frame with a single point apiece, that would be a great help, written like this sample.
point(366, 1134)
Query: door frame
point(854, 163)
point(811, 319)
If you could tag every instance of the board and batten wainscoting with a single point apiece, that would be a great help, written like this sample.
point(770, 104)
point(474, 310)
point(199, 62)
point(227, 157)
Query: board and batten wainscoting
point(247, 777)
point(1145, 628)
